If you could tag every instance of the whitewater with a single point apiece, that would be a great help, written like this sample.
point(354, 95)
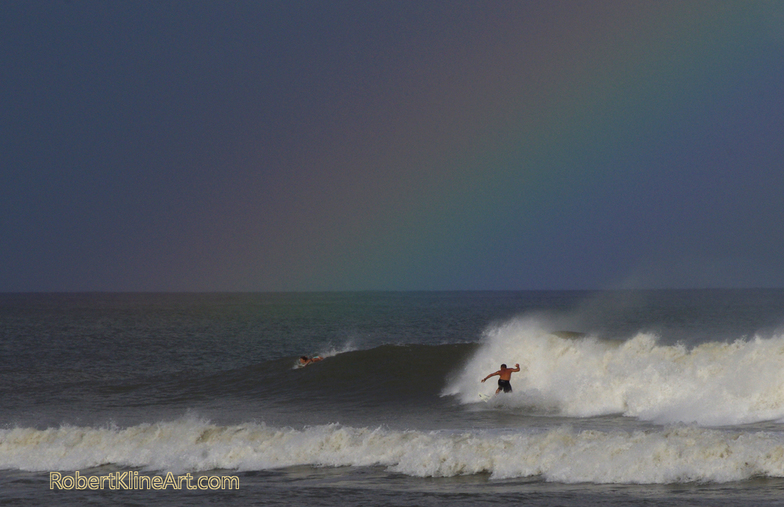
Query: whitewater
point(714, 383)
point(563, 454)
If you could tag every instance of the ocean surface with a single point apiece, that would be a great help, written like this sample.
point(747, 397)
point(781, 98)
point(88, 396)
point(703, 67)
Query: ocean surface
point(623, 398)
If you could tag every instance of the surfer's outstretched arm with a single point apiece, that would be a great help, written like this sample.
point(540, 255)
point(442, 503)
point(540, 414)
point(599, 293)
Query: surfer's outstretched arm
point(491, 375)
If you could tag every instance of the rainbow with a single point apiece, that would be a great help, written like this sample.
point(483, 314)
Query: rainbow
point(452, 174)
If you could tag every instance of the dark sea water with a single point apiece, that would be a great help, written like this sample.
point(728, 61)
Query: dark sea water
point(623, 398)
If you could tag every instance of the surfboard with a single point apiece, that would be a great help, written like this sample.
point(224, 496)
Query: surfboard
point(484, 397)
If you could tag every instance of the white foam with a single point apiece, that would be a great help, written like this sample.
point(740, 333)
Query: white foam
point(711, 384)
point(561, 454)
point(334, 351)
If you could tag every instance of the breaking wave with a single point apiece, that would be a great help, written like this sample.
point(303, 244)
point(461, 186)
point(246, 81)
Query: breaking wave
point(563, 454)
point(711, 384)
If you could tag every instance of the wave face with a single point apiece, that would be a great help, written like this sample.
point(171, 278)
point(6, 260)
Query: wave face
point(559, 454)
point(710, 384)
point(382, 375)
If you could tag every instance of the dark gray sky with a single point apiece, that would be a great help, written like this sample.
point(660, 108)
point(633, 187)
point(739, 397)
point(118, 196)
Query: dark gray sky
point(390, 145)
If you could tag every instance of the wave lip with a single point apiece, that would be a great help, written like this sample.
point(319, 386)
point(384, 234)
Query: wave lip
point(668, 455)
point(711, 384)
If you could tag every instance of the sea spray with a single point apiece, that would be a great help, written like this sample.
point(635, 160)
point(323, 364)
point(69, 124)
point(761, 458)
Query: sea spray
point(715, 383)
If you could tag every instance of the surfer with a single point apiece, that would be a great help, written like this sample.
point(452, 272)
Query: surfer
point(505, 375)
point(305, 360)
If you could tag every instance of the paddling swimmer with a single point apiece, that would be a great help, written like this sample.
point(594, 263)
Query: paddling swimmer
point(505, 375)
point(305, 360)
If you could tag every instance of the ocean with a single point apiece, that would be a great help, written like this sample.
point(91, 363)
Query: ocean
point(623, 398)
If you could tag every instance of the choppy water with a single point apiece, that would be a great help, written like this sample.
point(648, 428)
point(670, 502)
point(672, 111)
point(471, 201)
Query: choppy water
point(659, 397)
